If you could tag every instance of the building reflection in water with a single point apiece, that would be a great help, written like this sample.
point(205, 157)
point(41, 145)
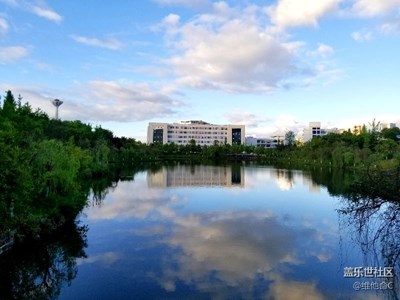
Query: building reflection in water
point(313, 187)
point(197, 175)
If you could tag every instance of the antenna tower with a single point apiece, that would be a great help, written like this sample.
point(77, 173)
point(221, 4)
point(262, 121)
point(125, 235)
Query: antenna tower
point(57, 103)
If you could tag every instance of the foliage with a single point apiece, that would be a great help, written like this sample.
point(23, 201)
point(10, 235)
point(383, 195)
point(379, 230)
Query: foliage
point(346, 150)
point(43, 160)
point(39, 269)
point(290, 138)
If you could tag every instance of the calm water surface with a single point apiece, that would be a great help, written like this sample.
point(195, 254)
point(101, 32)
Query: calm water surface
point(225, 232)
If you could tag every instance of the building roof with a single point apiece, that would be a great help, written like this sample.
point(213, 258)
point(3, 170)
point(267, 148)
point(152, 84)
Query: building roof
point(195, 122)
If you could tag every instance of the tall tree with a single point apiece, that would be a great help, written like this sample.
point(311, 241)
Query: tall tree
point(290, 138)
point(9, 105)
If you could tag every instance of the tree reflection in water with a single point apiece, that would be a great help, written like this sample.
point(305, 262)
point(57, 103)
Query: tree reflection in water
point(39, 269)
point(372, 209)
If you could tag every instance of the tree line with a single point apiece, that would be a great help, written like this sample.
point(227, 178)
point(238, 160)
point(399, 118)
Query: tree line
point(45, 166)
point(373, 149)
point(46, 163)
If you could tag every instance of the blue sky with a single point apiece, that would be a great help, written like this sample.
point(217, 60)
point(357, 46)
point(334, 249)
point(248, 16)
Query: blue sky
point(271, 65)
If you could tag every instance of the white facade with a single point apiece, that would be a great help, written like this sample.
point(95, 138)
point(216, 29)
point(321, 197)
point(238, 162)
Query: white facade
point(264, 142)
point(382, 126)
point(201, 132)
point(314, 129)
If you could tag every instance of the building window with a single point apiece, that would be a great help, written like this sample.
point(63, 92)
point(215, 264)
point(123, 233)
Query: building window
point(158, 135)
point(236, 136)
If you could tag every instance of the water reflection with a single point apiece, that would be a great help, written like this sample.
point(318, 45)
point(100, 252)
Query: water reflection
point(196, 175)
point(39, 270)
point(373, 222)
point(239, 253)
point(285, 179)
point(227, 176)
point(186, 232)
point(133, 200)
point(241, 248)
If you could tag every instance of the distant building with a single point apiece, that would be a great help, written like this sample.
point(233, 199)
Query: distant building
point(280, 139)
point(357, 129)
point(264, 142)
point(201, 132)
point(382, 126)
point(314, 129)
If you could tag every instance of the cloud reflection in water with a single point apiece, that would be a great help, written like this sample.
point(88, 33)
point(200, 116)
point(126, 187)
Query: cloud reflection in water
point(252, 250)
point(236, 248)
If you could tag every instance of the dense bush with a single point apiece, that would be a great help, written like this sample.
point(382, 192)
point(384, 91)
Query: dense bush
point(43, 161)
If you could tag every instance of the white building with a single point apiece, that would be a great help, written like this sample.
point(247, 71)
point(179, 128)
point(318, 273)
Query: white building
point(201, 132)
point(382, 126)
point(314, 129)
point(264, 142)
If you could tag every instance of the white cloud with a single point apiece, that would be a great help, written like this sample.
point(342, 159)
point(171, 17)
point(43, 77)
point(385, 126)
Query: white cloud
point(286, 121)
point(247, 118)
point(246, 249)
point(102, 101)
point(197, 4)
point(235, 49)
point(107, 259)
point(126, 102)
point(285, 289)
point(141, 204)
point(109, 43)
point(326, 73)
point(362, 36)
point(324, 50)
point(268, 127)
point(3, 26)
point(171, 20)
point(292, 13)
point(11, 54)
point(388, 23)
point(47, 13)
point(390, 27)
point(229, 50)
point(248, 252)
point(373, 8)
point(247, 49)
point(38, 7)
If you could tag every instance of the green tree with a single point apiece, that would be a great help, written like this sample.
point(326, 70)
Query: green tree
point(290, 138)
point(391, 133)
point(9, 104)
point(101, 157)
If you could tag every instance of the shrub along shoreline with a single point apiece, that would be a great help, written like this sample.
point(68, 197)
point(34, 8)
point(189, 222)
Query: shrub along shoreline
point(45, 163)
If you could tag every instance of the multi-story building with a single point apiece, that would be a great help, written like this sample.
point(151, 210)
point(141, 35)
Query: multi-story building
point(382, 126)
point(201, 132)
point(314, 129)
point(265, 142)
point(358, 129)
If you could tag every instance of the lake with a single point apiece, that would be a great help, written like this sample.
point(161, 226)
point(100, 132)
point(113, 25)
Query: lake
point(235, 231)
